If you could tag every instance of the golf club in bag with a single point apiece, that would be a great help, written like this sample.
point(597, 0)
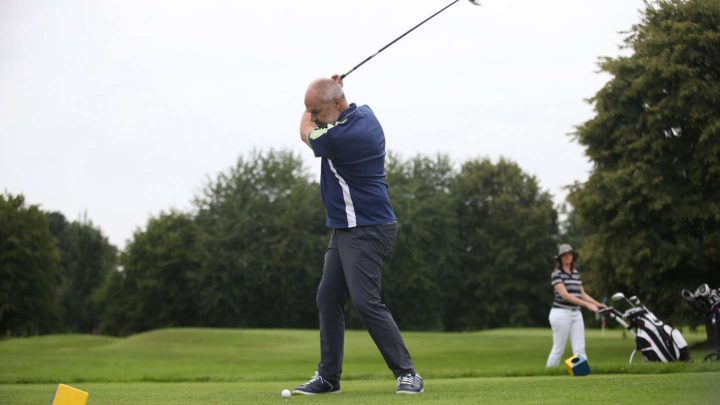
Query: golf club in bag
point(707, 302)
point(654, 339)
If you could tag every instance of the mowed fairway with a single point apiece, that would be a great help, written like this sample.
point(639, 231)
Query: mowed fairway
point(229, 366)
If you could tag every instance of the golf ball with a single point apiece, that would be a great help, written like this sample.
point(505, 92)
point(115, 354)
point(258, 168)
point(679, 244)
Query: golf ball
point(285, 393)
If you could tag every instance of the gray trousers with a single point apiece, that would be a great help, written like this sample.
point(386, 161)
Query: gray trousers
point(353, 266)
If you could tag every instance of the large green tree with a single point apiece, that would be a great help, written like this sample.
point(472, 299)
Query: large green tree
point(156, 285)
point(424, 252)
point(262, 243)
point(29, 270)
point(507, 226)
point(86, 259)
point(652, 198)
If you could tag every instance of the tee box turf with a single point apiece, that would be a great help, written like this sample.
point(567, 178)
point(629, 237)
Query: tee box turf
point(67, 395)
point(577, 365)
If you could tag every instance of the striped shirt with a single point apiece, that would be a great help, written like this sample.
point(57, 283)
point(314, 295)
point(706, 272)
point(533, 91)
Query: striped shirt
point(573, 284)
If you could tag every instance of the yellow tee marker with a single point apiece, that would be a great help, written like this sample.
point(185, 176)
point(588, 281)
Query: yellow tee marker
point(67, 395)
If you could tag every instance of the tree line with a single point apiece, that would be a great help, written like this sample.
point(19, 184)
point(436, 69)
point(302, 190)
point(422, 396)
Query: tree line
point(250, 252)
point(475, 242)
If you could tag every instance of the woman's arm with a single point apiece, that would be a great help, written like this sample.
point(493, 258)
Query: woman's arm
point(587, 297)
point(563, 292)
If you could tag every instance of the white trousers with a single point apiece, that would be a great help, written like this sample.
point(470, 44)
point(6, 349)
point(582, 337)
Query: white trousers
point(564, 323)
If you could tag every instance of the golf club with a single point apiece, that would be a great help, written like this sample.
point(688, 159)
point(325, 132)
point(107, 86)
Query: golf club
point(475, 2)
point(618, 296)
point(702, 291)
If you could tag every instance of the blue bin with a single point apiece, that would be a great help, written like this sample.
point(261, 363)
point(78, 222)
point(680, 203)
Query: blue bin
point(578, 365)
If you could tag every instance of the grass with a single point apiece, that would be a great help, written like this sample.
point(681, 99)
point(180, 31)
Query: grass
point(196, 366)
point(691, 388)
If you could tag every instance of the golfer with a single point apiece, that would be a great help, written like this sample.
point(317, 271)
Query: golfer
point(351, 143)
point(568, 296)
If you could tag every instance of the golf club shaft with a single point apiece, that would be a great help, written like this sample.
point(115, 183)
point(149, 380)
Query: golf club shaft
point(397, 39)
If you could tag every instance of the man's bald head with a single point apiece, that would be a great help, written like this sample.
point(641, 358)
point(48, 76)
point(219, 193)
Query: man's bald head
point(325, 100)
point(326, 90)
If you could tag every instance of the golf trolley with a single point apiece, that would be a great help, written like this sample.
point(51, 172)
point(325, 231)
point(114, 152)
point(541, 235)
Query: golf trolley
point(654, 339)
point(707, 302)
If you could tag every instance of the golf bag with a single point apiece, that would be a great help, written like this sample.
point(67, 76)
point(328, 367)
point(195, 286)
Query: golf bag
point(707, 302)
point(654, 339)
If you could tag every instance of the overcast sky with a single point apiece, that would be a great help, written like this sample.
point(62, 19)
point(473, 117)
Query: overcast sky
point(124, 108)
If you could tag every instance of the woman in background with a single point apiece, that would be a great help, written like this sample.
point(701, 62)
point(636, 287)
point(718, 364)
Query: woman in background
point(565, 317)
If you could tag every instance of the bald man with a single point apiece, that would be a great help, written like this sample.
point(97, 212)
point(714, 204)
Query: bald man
point(351, 143)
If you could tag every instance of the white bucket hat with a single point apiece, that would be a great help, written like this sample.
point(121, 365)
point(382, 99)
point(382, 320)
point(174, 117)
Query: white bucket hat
point(565, 248)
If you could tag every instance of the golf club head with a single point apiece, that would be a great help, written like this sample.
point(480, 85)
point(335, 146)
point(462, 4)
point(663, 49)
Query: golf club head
point(635, 300)
point(687, 295)
point(702, 291)
point(475, 2)
point(618, 296)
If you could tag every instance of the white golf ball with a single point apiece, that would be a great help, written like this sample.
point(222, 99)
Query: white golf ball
point(285, 393)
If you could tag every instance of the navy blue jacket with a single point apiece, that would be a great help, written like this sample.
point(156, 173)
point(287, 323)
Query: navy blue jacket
point(352, 173)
